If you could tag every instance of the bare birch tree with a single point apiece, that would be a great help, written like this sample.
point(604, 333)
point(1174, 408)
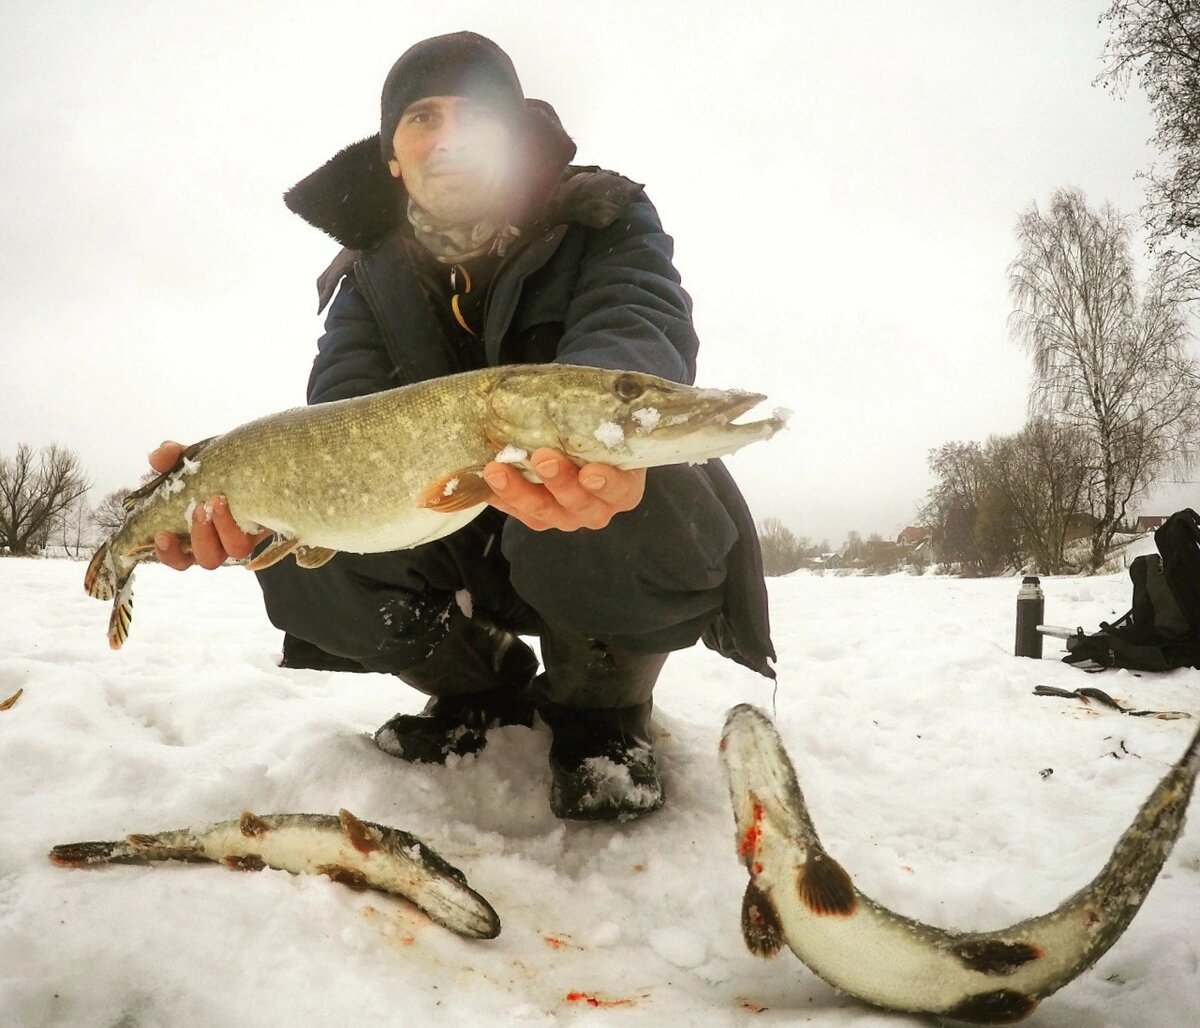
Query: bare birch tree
point(36, 490)
point(1157, 44)
point(1109, 357)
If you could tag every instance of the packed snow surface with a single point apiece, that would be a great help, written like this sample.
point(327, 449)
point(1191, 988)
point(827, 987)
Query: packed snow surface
point(943, 785)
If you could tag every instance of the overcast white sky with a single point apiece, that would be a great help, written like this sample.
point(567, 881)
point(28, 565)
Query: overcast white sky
point(842, 182)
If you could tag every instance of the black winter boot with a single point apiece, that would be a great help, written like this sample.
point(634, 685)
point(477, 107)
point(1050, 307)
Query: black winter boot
point(479, 677)
point(602, 763)
point(454, 724)
point(597, 702)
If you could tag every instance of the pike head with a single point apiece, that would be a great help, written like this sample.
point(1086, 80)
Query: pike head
point(623, 418)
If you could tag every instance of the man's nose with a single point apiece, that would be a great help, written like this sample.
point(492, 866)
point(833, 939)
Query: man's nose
point(453, 135)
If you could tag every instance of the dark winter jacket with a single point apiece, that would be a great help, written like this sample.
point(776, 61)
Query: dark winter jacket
point(589, 281)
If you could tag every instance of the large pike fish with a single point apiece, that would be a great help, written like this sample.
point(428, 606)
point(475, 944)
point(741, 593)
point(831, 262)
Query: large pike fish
point(800, 895)
point(356, 853)
point(395, 469)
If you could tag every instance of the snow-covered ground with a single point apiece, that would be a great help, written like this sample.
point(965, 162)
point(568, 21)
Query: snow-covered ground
point(947, 790)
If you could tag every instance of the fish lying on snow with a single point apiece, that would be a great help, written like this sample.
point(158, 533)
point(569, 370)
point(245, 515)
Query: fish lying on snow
point(798, 894)
point(356, 853)
point(398, 468)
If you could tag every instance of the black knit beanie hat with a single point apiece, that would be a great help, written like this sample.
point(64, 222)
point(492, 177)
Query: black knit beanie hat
point(458, 64)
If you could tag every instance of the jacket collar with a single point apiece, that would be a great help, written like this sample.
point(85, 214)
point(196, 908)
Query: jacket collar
point(354, 198)
point(588, 196)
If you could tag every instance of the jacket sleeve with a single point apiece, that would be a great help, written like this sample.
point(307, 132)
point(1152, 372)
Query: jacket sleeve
point(351, 359)
point(629, 310)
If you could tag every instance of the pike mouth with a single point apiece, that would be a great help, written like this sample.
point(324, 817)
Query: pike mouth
point(715, 411)
point(738, 405)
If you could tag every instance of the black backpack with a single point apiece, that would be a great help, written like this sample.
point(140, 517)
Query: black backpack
point(1161, 630)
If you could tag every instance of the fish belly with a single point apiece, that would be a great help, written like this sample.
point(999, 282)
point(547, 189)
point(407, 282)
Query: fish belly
point(406, 530)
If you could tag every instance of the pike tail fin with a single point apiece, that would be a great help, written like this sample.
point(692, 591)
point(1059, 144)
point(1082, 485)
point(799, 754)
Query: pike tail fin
point(84, 854)
point(134, 849)
point(122, 612)
point(106, 581)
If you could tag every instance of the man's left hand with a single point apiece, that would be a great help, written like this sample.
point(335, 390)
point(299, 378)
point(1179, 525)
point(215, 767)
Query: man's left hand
point(569, 498)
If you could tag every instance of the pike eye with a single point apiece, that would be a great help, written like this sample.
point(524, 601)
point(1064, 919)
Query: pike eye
point(627, 387)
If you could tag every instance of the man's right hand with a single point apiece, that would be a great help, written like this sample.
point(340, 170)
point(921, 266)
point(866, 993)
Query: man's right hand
point(215, 535)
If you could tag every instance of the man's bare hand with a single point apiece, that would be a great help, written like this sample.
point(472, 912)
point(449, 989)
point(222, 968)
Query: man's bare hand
point(214, 537)
point(570, 498)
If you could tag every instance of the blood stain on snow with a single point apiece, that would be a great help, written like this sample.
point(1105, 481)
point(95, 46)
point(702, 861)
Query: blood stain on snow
point(596, 1001)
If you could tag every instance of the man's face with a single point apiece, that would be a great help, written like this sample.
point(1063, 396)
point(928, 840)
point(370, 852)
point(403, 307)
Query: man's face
point(454, 155)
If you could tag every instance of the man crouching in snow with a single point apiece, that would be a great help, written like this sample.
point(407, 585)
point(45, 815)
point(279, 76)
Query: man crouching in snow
point(469, 240)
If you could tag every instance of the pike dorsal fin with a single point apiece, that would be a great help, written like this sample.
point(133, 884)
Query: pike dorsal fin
point(273, 554)
point(142, 492)
point(250, 825)
point(358, 834)
point(459, 490)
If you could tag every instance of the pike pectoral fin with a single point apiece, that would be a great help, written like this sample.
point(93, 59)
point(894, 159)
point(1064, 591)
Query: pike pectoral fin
point(459, 490)
point(314, 556)
point(760, 922)
point(273, 554)
point(824, 887)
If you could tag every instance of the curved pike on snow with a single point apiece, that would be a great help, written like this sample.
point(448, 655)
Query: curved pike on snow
point(800, 895)
point(357, 853)
point(391, 470)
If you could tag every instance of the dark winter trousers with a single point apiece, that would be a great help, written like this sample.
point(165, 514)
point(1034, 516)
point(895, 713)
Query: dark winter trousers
point(648, 583)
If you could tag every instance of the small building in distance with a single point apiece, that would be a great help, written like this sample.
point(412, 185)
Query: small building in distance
point(912, 535)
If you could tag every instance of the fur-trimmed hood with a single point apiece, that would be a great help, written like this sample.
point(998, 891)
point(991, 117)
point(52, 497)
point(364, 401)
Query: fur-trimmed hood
point(354, 198)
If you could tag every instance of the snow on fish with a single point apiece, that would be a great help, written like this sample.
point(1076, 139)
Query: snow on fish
point(357, 853)
point(800, 895)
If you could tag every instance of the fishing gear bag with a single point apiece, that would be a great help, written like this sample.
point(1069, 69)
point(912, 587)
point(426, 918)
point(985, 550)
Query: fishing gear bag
point(1161, 630)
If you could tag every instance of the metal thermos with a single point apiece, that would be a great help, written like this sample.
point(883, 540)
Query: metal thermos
point(1031, 609)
